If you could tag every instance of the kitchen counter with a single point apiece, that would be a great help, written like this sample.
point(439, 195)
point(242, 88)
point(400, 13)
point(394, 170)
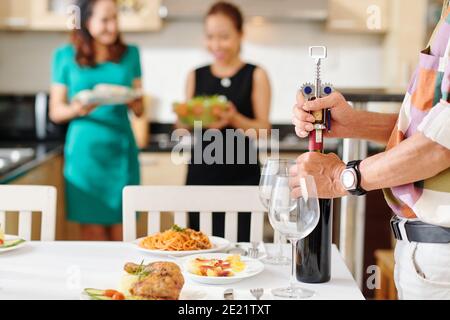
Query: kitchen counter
point(42, 152)
point(161, 132)
point(162, 143)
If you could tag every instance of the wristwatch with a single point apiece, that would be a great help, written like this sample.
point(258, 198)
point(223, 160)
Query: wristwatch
point(351, 179)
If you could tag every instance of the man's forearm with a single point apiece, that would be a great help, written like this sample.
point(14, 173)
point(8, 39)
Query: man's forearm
point(373, 126)
point(417, 158)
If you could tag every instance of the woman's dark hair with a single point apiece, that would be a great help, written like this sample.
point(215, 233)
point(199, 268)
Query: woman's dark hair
point(229, 10)
point(84, 42)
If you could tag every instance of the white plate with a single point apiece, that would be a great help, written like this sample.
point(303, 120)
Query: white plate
point(9, 237)
point(218, 244)
point(108, 96)
point(252, 268)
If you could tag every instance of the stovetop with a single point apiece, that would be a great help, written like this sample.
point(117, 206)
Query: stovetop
point(11, 158)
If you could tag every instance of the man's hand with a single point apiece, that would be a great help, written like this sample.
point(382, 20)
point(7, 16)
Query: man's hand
point(342, 115)
point(326, 170)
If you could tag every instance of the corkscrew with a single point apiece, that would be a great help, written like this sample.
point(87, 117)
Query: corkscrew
point(312, 91)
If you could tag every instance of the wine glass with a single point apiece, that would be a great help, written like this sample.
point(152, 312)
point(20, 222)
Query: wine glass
point(295, 219)
point(271, 169)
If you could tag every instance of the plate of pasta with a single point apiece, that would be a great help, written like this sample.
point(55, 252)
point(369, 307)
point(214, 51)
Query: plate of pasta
point(178, 242)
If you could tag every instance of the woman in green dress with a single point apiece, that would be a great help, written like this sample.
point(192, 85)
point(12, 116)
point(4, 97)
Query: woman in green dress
point(101, 156)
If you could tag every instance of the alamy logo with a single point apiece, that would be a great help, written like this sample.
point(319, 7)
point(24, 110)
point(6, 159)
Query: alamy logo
point(373, 21)
point(230, 146)
point(74, 17)
point(73, 279)
point(374, 279)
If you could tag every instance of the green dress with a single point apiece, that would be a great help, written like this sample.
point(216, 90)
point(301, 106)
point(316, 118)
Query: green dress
point(101, 156)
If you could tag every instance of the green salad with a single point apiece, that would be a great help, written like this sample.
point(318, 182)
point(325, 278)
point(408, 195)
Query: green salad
point(8, 243)
point(206, 109)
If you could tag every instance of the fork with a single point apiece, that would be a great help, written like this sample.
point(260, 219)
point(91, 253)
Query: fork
point(253, 253)
point(257, 293)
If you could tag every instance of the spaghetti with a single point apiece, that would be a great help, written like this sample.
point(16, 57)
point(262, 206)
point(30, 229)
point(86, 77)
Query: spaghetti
point(177, 239)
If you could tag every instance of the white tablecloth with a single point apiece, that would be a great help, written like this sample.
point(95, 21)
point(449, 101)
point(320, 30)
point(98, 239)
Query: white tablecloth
point(61, 270)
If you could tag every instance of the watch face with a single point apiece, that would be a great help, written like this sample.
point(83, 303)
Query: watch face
point(349, 179)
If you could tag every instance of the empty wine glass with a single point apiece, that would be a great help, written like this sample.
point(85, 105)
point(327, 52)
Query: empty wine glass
point(271, 169)
point(295, 219)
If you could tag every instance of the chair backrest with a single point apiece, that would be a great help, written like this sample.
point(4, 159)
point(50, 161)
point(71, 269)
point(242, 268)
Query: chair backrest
point(183, 199)
point(26, 200)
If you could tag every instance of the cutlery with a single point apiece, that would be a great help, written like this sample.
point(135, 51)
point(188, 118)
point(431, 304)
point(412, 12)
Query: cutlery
point(253, 253)
point(237, 250)
point(257, 293)
point(228, 294)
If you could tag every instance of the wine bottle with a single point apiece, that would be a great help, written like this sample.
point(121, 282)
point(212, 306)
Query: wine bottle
point(314, 251)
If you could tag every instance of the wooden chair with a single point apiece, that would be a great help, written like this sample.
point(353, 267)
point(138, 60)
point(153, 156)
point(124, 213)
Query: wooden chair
point(26, 200)
point(183, 199)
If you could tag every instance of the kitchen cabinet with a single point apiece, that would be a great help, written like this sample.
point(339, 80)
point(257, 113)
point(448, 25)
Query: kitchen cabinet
point(50, 15)
point(14, 14)
point(140, 15)
point(386, 265)
point(361, 16)
point(58, 15)
point(159, 169)
point(404, 41)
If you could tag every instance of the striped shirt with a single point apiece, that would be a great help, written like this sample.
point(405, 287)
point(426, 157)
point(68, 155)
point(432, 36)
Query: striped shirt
point(426, 109)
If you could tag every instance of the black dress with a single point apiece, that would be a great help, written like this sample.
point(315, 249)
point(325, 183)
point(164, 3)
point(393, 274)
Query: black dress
point(234, 169)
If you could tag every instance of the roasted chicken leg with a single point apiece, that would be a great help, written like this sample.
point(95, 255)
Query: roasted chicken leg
point(157, 280)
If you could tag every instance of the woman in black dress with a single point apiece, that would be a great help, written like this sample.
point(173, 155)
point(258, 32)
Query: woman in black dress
point(247, 88)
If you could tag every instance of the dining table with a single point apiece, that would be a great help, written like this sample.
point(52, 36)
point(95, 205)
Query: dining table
point(61, 270)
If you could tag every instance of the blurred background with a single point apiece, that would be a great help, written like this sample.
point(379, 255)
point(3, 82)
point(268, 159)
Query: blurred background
point(373, 46)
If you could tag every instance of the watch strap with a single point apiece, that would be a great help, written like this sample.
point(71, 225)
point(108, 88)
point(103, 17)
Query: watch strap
point(359, 191)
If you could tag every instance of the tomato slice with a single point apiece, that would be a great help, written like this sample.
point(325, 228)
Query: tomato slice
point(110, 293)
point(118, 296)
